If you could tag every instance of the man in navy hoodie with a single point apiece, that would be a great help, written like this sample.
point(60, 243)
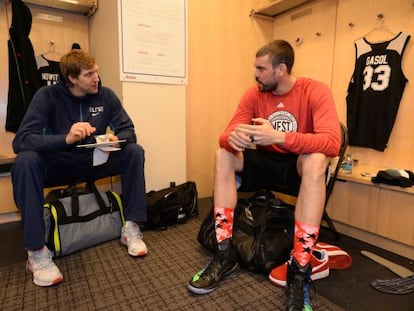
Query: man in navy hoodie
point(59, 118)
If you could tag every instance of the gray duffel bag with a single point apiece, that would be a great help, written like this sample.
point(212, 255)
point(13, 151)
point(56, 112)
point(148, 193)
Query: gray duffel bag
point(77, 218)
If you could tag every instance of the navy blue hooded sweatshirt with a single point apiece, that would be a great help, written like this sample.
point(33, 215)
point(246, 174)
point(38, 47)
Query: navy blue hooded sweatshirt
point(54, 109)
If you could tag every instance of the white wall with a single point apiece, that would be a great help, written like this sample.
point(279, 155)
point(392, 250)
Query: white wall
point(157, 110)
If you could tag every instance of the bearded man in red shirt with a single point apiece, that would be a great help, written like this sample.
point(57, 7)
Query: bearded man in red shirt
point(279, 138)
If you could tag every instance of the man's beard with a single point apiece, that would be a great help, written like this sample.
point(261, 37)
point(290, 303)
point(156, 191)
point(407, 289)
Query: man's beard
point(266, 87)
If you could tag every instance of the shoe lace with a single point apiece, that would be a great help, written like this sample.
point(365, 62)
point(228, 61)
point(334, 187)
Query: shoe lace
point(211, 268)
point(43, 260)
point(134, 233)
point(295, 294)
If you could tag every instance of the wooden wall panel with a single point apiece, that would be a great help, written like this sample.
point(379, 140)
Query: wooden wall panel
point(363, 16)
point(394, 216)
point(383, 211)
point(6, 195)
point(310, 29)
point(359, 209)
point(223, 40)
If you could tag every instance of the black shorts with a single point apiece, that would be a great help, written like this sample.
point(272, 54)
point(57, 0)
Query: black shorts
point(269, 170)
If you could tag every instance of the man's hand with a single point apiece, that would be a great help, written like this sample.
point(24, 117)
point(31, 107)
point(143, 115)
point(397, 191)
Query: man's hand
point(238, 140)
point(261, 132)
point(112, 137)
point(78, 131)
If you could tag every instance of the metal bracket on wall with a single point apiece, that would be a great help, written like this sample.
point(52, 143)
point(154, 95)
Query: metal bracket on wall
point(276, 8)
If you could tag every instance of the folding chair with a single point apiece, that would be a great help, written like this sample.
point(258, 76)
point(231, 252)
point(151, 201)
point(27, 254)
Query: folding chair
point(332, 173)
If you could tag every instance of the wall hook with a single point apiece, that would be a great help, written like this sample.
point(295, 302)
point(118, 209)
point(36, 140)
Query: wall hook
point(299, 41)
point(52, 45)
point(318, 34)
point(380, 15)
point(351, 24)
point(252, 14)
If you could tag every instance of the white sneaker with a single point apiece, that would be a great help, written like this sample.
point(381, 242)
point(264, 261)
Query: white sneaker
point(132, 237)
point(45, 272)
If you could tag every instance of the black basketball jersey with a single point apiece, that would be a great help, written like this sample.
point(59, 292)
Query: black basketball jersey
point(375, 91)
point(49, 70)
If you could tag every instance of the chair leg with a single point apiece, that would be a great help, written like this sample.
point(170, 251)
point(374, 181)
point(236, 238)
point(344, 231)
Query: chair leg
point(331, 225)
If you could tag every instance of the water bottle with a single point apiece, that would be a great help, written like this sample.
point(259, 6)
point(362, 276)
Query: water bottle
point(348, 164)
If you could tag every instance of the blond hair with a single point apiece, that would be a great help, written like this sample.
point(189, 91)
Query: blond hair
point(72, 63)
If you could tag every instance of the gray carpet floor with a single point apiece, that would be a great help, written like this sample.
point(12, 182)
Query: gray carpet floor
point(104, 277)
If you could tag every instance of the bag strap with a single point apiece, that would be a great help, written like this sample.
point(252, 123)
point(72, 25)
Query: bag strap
point(115, 203)
point(75, 197)
point(98, 196)
point(262, 194)
point(75, 200)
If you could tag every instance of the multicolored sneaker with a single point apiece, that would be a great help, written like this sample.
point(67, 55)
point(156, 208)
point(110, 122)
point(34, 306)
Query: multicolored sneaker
point(338, 258)
point(45, 272)
point(131, 236)
point(320, 269)
point(298, 286)
point(224, 265)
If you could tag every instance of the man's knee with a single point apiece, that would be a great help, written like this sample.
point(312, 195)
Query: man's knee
point(228, 160)
point(134, 150)
point(313, 164)
point(26, 159)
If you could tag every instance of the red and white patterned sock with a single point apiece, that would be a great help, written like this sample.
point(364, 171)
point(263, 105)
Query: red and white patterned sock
point(305, 238)
point(223, 222)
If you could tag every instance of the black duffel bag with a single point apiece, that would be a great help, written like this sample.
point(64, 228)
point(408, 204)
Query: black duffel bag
point(172, 205)
point(262, 232)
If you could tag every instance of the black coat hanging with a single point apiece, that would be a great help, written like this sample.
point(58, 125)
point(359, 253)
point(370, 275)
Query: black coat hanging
point(24, 78)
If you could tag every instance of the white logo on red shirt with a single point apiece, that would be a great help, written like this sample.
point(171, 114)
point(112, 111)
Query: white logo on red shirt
point(283, 121)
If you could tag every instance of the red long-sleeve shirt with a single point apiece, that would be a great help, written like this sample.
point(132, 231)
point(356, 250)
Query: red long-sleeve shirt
point(306, 113)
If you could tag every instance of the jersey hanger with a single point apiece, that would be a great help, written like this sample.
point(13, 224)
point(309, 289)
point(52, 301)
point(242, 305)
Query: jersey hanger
point(380, 33)
point(51, 54)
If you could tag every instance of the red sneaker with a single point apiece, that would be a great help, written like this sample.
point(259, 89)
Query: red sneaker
point(320, 269)
point(338, 258)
